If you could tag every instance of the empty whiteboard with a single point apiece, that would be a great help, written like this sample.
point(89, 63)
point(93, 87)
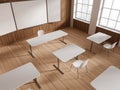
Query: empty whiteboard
point(30, 13)
point(54, 10)
point(7, 24)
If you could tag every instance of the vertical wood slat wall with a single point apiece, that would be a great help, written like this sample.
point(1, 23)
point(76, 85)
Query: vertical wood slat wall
point(80, 25)
point(31, 32)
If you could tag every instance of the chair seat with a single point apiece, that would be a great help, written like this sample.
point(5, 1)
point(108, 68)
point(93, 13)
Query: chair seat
point(77, 63)
point(107, 46)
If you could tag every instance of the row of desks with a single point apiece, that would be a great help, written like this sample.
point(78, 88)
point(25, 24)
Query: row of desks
point(108, 80)
point(95, 38)
point(68, 52)
point(64, 54)
point(71, 51)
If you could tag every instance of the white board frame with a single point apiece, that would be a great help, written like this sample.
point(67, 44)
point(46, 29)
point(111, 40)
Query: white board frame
point(30, 13)
point(7, 24)
point(54, 10)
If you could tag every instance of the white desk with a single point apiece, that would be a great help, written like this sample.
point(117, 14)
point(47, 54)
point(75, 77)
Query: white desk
point(67, 53)
point(45, 38)
point(108, 80)
point(98, 38)
point(18, 77)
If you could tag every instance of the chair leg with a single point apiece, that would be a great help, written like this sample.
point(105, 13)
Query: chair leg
point(108, 53)
point(71, 67)
point(113, 49)
point(86, 69)
point(77, 72)
point(101, 49)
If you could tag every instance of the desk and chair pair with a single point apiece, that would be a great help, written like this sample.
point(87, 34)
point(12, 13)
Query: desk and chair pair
point(100, 38)
point(64, 54)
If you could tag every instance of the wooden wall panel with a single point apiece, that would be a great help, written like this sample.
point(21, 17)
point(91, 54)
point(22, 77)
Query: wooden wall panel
point(31, 32)
point(81, 25)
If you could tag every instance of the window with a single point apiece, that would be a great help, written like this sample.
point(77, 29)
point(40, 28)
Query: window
point(82, 9)
point(110, 15)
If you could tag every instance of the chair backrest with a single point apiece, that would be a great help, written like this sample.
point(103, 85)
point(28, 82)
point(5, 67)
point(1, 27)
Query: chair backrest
point(40, 32)
point(114, 44)
point(84, 63)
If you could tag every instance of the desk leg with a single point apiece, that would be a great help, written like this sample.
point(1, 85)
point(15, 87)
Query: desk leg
point(30, 51)
point(35, 80)
point(91, 46)
point(63, 41)
point(58, 67)
point(76, 58)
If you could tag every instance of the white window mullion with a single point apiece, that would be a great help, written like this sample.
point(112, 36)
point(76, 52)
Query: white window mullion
point(81, 11)
point(113, 17)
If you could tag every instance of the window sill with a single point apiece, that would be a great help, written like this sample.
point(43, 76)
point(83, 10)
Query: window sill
point(81, 20)
point(109, 29)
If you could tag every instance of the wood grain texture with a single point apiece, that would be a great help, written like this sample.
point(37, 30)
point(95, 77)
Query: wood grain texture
point(15, 55)
point(80, 25)
point(31, 32)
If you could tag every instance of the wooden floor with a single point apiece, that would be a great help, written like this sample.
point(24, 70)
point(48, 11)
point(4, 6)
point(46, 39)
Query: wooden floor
point(15, 55)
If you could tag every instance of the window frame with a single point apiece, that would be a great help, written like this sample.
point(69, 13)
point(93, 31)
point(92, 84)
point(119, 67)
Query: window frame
point(114, 29)
point(87, 14)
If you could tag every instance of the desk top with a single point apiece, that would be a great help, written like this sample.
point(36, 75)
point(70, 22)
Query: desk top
point(47, 37)
point(68, 52)
point(99, 37)
point(108, 80)
point(18, 77)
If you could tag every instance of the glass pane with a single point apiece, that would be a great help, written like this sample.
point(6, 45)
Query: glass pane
point(78, 15)
point(106, 13)
point(119, 18)
point(114, 14)
point(108, 3)
point(88, 18)
point(79, 1)
point(90, 2)
point(79, 6)
point(83, 16)
point(89, 9)
point(85, 2)
point(103, 21)
point(116, 4)
point(84, 8)
point(111, 24)
point(118, 26)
